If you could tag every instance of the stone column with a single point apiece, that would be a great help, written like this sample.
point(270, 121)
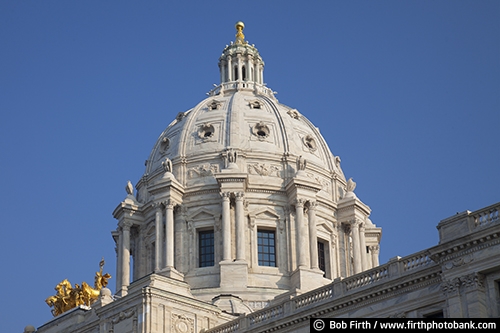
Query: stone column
point(222, 71)
point(240, 227)
point(119, 255)
point(169, 234)
point(362, 244)
point(356, 246)
point(257, 73)
point(301, 237)
point(313, 238)
point(240, 73)
point(226, 227)
point(125, 263)
point(229, 69)
point(159, 238)
point(249, 67)
point(374, 250)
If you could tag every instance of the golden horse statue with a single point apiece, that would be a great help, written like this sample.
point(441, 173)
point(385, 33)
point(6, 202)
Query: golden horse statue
point(68, 297)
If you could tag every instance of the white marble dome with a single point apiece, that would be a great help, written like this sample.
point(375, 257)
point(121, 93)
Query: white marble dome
point(243, 116)
point(241, 196)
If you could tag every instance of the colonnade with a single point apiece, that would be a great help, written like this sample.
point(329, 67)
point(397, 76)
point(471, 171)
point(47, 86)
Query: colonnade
point(359, 254)
point(232, 69)
point(163, 258)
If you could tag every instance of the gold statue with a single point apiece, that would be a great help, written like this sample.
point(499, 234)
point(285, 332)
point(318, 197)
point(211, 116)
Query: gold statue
point(68, 297)
point(240, 37)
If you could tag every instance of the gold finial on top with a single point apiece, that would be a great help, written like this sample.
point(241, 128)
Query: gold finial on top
point(240, 37)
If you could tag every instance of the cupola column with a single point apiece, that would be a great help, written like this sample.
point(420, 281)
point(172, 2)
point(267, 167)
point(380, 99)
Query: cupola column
point(222, 67)
point(169, 234)
point(249, 68)
point(240, 227)
point(226, 227)
point(261, 71)
point(356, 246)
point(301, 233)
point(313, 238)
point(239, 68)
point(159, 238)
point(229, 69)
point(257, 73)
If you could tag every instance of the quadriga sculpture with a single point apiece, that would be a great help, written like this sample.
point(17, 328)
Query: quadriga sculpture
point(68, 297)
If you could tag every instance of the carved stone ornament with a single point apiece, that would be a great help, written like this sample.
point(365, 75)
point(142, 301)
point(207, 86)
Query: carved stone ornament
point(164, 144)
point(203, 170)
point(180, 116)
point(182, 324)
point(261, 130)
point(256, 104)
point(351, 185)
point(293, 113)
point(310, 143)
point(129, 188)
point(167, 165)
point(263, 169)
point(459, 261)
point(206, 131)
point(301, 163)
point(214, 105)
point(122, 315)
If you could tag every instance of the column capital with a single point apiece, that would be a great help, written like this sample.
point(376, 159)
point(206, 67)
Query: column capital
point(300, 202)
point(169, 203)
point(239, 195)
point(126, 225)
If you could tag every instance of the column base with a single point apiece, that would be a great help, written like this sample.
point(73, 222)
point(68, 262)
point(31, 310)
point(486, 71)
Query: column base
point(304, 279)
point(171, 273)
point(233, 275)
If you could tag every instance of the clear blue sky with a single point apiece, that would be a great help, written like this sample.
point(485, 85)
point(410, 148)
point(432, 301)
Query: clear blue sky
point(407, 93)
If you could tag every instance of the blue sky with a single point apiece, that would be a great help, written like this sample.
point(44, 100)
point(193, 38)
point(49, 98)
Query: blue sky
point(407, 93)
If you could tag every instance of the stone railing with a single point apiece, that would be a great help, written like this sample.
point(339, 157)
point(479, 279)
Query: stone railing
point(367, 277)
point(396, 267)
point(232, 326)
point(242, 85)
point(317, 295)
point(461, 224)
point(486, 215)
point(265, 314)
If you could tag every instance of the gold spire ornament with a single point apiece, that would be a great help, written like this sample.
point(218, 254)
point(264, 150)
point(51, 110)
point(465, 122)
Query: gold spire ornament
point(240, 37)
point(68, 297)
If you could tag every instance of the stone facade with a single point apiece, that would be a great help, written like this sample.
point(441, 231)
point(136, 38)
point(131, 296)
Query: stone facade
point(244, 222)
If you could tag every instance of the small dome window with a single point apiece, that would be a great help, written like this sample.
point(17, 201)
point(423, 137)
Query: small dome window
point(214, 105)
point(165, 144)
point(310, 143)
point(256, 104)
point(206, 131)
point(261, 131)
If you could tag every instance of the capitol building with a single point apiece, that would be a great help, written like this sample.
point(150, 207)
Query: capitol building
point(243, 221)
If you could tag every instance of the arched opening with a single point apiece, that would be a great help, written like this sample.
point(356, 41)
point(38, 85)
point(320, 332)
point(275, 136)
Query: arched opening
point(243, 73)
point(235, 73)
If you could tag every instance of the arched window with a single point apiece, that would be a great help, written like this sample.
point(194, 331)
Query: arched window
point(244, 73)
point(235, 73)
